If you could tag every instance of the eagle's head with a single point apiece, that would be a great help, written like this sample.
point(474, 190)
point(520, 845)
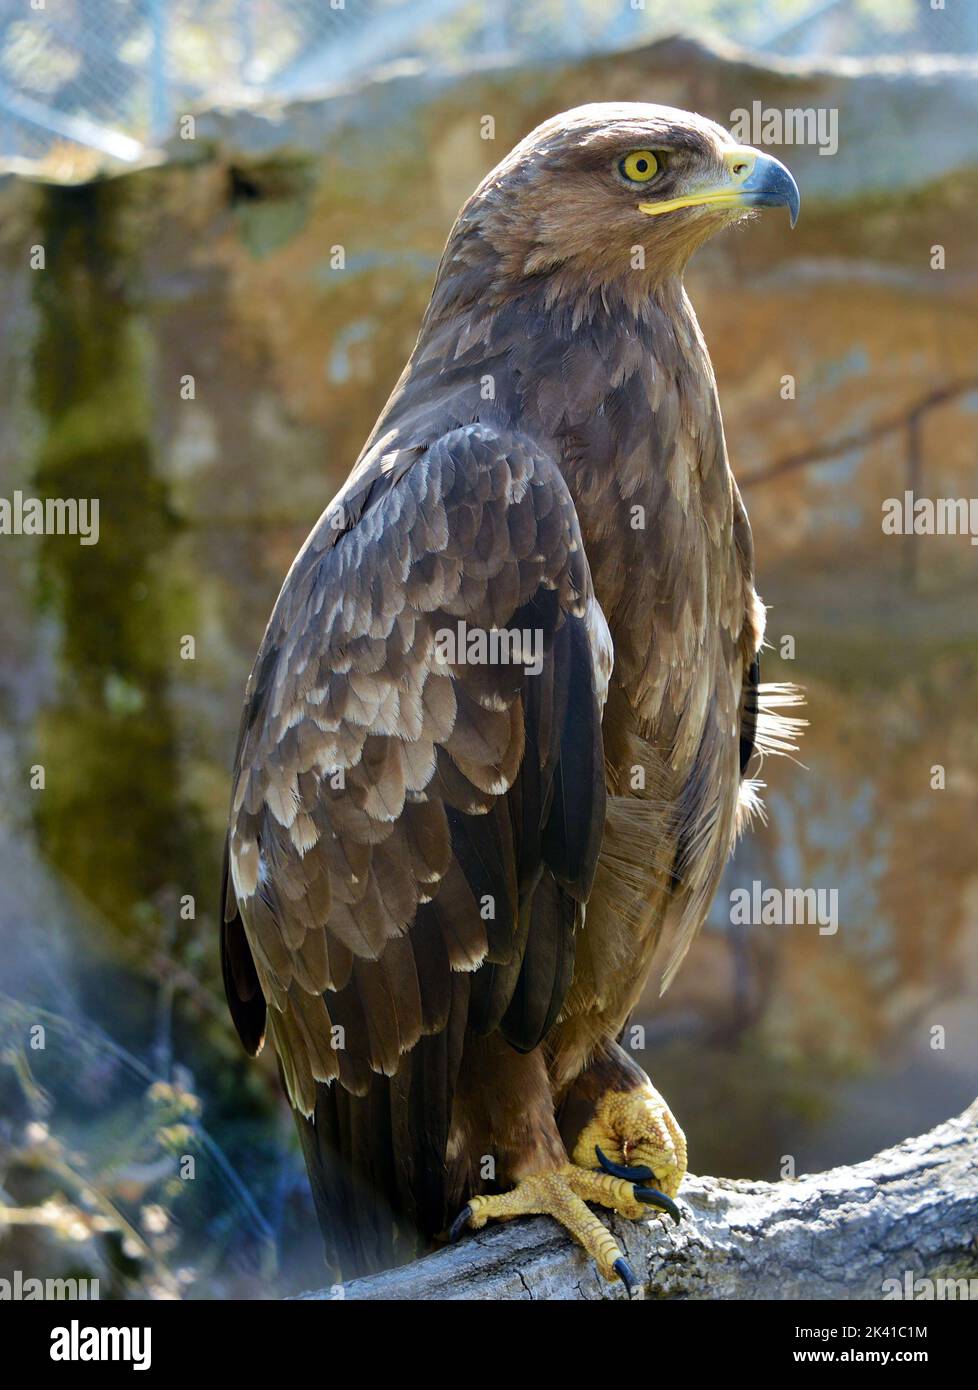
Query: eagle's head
point(617, 191)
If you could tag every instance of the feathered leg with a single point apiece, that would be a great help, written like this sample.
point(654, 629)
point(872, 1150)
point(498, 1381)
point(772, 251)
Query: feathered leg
point(613, 1115)
point(505, 1124)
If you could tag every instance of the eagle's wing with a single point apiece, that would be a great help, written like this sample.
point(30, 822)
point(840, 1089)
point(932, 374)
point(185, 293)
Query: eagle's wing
point(401, 827)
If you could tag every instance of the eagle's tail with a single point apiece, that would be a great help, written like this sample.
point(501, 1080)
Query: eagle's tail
point(340, 1144)
point(380, 1181)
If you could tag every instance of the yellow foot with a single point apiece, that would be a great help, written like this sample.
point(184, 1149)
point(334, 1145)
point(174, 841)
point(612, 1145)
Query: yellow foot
point(562, 1194)
point(634, 1135)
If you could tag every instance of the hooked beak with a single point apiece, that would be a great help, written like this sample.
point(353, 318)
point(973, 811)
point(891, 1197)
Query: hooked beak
point(753, 180)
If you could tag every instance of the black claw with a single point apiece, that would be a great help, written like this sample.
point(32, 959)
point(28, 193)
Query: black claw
point(458, 1224)
point(659, 1199)
point(619, 1170)
point(626, 1274)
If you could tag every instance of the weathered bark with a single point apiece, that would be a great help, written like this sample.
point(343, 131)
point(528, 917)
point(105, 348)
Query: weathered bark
point(841, 1234)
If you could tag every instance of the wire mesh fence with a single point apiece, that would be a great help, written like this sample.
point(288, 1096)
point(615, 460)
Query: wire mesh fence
point(111, 75)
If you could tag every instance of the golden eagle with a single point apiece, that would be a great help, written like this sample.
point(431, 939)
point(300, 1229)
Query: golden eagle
point(494, 744)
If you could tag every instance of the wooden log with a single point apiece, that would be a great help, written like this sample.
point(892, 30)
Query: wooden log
point(863, 1231)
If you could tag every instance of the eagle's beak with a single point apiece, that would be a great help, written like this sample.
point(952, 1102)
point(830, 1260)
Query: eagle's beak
point(753, 180)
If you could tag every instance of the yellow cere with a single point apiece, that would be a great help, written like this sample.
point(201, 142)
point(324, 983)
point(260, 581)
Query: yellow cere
point(639, 166)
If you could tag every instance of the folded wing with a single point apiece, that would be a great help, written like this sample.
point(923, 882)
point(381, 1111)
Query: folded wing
point(418, 796)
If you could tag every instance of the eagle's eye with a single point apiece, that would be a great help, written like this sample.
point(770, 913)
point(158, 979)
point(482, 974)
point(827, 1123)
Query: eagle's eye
point(639, 166)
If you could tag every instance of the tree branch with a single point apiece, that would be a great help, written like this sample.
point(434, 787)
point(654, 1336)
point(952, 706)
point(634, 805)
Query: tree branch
point(907, 417)
point(909, 1212)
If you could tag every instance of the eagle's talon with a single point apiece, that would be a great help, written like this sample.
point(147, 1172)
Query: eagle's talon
point(654, 1198)
point(459, 1224)
point(563, 1194)
point(626, 1274)
point(637, 1173)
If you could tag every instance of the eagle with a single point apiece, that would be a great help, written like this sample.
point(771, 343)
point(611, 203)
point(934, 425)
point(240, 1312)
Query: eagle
point(494, 748)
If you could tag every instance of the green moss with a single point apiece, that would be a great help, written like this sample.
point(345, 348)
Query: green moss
point(112, 817)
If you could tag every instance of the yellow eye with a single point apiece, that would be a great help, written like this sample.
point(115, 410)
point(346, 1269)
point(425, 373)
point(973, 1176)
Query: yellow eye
point(639, 166)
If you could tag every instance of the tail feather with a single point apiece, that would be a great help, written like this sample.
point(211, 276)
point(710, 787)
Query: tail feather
point(377, 1161)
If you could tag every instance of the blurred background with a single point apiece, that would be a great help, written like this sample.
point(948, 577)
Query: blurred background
point(241, 205)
